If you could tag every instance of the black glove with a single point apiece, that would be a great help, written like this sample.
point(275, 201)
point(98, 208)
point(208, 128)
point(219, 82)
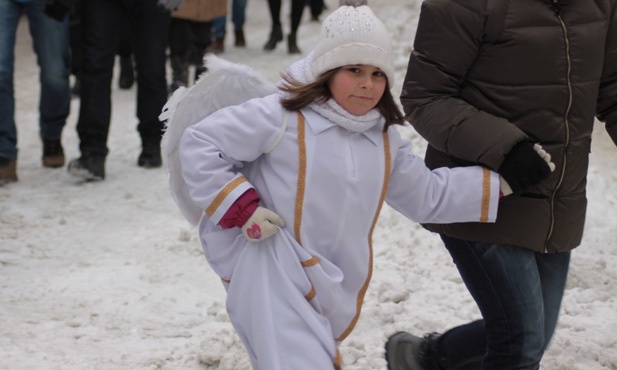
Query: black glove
point(523, 167)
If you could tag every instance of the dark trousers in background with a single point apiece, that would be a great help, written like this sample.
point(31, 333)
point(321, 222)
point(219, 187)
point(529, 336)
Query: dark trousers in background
point(149, 27)
point(189, 39)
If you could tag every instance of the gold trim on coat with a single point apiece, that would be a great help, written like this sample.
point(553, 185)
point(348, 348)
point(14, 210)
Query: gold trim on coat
point(486, 194)
point(223, 194)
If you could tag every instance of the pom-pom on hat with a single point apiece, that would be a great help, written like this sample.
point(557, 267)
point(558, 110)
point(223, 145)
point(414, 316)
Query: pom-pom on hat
point(352, 34)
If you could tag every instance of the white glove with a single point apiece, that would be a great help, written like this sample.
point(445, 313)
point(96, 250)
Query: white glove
point(261, 225)
point(504, 187)
point(171, 4)
point(503, 184)
point(547, 157)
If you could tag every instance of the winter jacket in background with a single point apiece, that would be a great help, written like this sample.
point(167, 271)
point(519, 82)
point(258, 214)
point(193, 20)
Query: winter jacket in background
point(479, 83)
point(201, 10)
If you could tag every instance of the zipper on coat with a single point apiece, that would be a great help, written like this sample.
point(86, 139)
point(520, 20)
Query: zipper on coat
point(566, 121)
point(557, 8)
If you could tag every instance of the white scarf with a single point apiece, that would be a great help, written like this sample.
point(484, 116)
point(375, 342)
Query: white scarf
point(331, 110)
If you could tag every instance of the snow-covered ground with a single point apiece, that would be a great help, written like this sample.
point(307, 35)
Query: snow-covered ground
point(110, 276)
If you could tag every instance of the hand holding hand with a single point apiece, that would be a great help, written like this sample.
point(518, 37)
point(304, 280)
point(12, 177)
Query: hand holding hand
point(262, 225)
point(525, 166)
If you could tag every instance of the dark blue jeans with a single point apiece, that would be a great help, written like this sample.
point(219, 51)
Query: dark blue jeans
point(50, 41)
point(101, 27)
point(519, 295)
point(238, 17)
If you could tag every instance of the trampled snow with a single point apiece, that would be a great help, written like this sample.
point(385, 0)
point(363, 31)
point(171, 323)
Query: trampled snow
point(110, 276)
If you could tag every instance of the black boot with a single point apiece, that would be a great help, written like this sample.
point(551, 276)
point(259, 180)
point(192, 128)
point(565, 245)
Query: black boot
point(89, 167)
point(275, 36)
point(127, 75)
point(239, 41)
point(217, 46)
point(179, 72)
point(292, 46)
point(53, 154)
point(150, 156)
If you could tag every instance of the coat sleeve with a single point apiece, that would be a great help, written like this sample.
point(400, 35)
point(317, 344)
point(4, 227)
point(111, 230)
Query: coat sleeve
point(607, 97)
point(448, 39)
point(443, 195)
point(213, 152)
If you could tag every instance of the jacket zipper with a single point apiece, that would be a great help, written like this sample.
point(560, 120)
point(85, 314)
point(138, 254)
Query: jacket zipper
point(557, 9)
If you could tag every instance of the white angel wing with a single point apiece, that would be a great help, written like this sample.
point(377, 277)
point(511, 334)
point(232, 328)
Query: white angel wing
point(225, 84)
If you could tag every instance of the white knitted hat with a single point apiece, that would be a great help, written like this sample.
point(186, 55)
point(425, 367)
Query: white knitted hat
point(352, 34)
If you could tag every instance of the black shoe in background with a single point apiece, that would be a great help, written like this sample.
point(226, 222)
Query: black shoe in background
point(127, 75)
point(292, 45)
point(240, 40)
point(53, 154)
point(150, 156)
point(8, 171)
point(275, 37)
point(88, 167)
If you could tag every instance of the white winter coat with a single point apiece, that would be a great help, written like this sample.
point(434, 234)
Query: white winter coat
point(328, 184)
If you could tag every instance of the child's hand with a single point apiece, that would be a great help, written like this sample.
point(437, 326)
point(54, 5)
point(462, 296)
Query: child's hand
point(262, 225)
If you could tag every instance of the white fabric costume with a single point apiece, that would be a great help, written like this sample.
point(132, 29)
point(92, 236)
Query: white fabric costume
point(293, 296)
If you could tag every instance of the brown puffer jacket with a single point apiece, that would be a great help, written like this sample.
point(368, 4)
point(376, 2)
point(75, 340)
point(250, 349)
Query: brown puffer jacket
point(484, 77)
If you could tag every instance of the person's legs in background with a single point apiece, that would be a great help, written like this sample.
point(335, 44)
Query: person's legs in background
point(150, 29)
point(10, 13)
point(100, 39)
point(200, 40)
point(219, 30)
point(238, 18)
point(51, 44)
point(276, 35)
point(125, 52)
point(317, 7)
point(75, 42)
point(297, 9)
point(179, 49)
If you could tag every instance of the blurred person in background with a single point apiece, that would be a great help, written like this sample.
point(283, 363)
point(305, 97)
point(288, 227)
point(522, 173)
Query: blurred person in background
point(219, 27)
point(190, 36)
point(48, 24)
point(149, 25)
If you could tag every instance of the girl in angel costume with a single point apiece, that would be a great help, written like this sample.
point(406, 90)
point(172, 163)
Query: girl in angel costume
point(287, 187)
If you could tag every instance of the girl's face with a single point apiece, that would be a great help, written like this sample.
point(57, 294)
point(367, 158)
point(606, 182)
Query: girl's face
point(358, 88)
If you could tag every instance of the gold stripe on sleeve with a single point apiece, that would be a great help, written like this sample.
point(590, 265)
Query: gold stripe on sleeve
point(301, 177)
point(486, 194)
point(224, 193)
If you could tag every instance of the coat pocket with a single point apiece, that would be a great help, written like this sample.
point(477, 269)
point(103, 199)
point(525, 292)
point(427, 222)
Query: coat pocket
point(222, 248)
point(326, 291)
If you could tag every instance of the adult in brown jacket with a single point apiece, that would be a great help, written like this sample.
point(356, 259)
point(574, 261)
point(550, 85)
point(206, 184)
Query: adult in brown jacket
point(190, 36)
point(486, 79)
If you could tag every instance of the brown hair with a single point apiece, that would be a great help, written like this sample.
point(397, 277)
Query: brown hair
point(303, 94)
